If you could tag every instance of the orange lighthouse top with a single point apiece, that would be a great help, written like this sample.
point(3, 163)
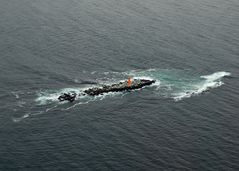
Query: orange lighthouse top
point(129, 81)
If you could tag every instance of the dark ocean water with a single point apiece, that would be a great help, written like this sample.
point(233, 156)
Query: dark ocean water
point(188, 120)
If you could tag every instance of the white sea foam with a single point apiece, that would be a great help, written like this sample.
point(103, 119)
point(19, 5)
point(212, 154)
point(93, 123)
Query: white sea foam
point(216, 75)
point(184, 90)
point(16, 94)
point(27, 115)
point(209, 82)
point(45, 98)
point(21, 118)
point(48, 109)
point(77, 104)
point(49, 97)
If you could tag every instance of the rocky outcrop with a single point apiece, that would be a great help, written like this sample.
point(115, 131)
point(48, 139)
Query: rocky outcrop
point(122, 86)
point(67, 97)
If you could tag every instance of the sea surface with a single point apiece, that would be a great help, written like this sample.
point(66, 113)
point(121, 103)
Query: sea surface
point(187, 120)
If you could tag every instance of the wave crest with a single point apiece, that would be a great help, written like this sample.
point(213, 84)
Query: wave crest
point(209, 82)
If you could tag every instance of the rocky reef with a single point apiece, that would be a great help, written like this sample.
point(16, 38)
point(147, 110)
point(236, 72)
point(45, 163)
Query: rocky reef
point(119, 87)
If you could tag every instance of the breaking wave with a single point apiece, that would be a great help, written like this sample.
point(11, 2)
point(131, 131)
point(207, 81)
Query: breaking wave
point(178, 84)
point(208, 82)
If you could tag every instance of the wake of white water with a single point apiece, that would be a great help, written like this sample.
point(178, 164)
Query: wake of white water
point(178, 84)
point(46, 97)
point(51, 96)
point(208, 82)
point(171, 84)
point(18, 119)
point(21, 118)
point(86, 100)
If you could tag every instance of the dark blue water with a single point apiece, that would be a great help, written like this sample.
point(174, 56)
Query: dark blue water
point(187, 120)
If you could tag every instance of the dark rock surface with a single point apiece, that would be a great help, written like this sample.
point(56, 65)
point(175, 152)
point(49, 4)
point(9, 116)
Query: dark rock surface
point(67, 97)
point(122, 86)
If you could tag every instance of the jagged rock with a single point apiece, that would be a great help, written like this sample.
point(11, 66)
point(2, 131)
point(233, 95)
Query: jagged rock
point(67, 97)
point(121, 86)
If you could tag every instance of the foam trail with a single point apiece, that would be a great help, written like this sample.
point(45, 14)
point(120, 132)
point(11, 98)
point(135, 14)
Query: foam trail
point(209, 82)
point(52, 96)
point(16, 94)
point(77, 104)
point(47, 97)
point(174, 84)
point(48, 109)
point(216, 75)
point(21, 118)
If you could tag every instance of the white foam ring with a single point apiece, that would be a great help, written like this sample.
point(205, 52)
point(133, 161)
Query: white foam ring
point(49, 97)
point(209, 82)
